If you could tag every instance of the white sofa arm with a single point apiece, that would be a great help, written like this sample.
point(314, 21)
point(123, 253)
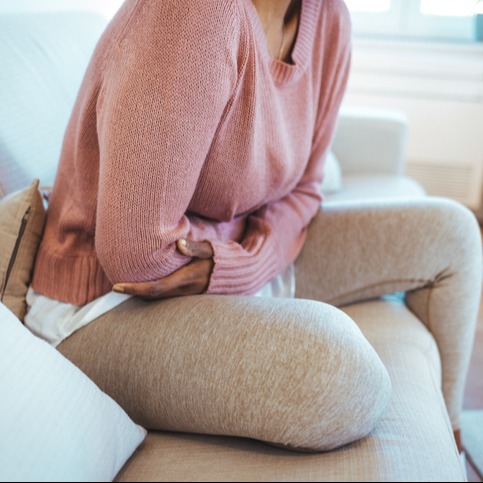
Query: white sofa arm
point(369, 141)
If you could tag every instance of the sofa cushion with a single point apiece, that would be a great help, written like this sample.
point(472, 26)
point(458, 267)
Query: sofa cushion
point(55, 424)
point(413, 441)
point(22, 220)
point(332, 182)
point(49, 51)
point(364, 187)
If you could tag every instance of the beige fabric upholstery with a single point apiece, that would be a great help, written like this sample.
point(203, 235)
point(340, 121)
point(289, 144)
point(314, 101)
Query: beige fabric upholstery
point(22, 220)
point(413, 441)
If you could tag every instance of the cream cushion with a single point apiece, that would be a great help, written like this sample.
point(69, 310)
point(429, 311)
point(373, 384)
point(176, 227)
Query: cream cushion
point(376, 187)
point(332, 182)
point(22, 220)
point(55, 424)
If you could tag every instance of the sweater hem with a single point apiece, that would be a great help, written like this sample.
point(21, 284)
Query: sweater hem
point(54, 277)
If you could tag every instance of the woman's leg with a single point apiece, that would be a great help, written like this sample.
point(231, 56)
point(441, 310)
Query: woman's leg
point(297, 373)
point(429, 248)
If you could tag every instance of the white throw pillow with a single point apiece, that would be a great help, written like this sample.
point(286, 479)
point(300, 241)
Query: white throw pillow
point(332, 182)
point(55, 424)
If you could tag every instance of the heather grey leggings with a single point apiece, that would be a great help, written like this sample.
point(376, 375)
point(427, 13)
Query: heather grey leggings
point(430, 248)
point(297, 373)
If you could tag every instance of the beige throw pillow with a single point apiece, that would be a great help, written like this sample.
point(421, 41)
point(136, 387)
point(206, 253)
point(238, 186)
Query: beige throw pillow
point(22, 221)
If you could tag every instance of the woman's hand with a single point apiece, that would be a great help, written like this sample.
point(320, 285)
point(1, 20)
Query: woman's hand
point(193, 279)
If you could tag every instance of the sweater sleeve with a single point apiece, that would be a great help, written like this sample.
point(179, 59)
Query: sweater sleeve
point(158, 110)
point(276, 233)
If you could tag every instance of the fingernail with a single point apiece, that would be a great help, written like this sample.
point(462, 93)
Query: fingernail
point(119, 289)
point(183, 243)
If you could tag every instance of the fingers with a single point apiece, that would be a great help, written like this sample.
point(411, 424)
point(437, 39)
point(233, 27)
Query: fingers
point(202, 250)
point(192, 279)
point(146, 290)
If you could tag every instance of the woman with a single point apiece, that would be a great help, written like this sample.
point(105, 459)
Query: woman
point(192, 165)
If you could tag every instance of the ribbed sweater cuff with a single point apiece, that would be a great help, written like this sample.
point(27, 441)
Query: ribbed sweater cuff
point(239, 272)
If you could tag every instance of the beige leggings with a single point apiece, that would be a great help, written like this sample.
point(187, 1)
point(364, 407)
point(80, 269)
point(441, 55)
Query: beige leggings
point(297, 373)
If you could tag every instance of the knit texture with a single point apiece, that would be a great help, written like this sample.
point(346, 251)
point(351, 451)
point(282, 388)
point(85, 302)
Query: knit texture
point(185, 127)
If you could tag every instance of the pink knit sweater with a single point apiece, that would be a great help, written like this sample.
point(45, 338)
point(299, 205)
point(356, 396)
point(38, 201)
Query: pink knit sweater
point(185, 127)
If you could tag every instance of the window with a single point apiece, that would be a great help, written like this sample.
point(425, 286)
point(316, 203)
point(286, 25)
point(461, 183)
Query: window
point(369, 5)
point(426, 19)
point(448, 8)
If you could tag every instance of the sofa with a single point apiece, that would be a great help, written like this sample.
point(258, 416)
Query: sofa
point(43, 57)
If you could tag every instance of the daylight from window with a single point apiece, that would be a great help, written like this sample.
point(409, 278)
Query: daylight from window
point(369, 5)
point(458, 8)
point(449, 20)
point(453, 8)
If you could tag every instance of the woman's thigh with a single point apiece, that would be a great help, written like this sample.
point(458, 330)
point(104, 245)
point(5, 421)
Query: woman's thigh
point(297, 373)
point(361, 250)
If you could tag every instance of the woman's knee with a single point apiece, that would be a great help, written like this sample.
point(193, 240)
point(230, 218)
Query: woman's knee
point(345, 387)
point(452, 223)
point(455, 237)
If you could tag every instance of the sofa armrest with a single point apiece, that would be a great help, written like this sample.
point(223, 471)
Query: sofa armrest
point(369, 141)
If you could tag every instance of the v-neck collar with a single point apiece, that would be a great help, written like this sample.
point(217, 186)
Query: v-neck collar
point(282, 72)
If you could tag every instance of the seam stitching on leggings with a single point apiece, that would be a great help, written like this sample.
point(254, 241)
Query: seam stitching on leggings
point(441, 405)
point(428, 310)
